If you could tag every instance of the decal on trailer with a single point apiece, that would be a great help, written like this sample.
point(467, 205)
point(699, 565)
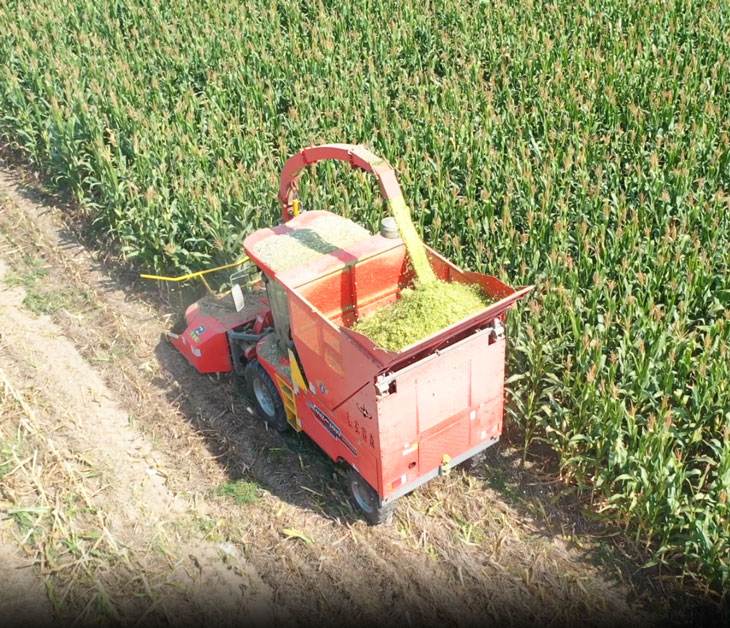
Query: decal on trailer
point(360, 430)
point(331, 427)
point(197, 333)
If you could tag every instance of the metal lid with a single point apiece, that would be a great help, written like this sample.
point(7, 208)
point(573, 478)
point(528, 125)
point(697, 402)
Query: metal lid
point(389, 227)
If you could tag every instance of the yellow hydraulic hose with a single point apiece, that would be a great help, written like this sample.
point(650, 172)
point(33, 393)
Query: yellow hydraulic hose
point(199, 273)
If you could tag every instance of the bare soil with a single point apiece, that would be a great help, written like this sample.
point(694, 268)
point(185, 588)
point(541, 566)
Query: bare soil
point(140, 452)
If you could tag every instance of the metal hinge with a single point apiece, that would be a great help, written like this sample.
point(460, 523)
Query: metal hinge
point(384, 385)
point(497, 329)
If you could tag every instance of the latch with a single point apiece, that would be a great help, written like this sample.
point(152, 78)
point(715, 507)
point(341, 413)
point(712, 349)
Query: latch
point(445, 468)
point(497, 332)
point(385, 385)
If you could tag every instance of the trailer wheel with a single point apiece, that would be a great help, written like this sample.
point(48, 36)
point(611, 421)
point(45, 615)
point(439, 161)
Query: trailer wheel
point(265, 396)
point(367, 499)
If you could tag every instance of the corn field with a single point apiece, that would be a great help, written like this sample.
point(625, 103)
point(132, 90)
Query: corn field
point(580, 146)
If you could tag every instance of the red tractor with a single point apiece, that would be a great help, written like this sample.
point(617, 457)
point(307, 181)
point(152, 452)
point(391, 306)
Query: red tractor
point(396, 418)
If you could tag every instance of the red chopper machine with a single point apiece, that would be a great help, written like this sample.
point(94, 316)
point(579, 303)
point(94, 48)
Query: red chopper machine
point(396, 418)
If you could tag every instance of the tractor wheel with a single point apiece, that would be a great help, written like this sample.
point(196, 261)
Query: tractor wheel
point(367, 499)
point(265, 396)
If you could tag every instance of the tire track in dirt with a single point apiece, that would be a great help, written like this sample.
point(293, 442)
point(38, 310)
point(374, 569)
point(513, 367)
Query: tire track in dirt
point(455, 555)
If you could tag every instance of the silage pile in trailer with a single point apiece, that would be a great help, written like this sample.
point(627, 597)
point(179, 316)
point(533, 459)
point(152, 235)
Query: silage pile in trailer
point(431, 305)
point(420, 312)
point(323, 235)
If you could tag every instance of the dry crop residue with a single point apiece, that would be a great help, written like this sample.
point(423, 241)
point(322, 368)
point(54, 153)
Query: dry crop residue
point(165, 437)
point(108, 469)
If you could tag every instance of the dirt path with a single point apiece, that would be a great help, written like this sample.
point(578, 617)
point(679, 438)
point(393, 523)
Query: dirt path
point(192, 503)
point(63, 395)
point(23, 592)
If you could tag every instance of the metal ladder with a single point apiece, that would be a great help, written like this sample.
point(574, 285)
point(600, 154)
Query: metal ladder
point(290, 406)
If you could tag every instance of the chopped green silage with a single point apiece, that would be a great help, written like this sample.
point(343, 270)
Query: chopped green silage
point(420, 312)
point(323, 235)
point(414, 244)
point(425, 309)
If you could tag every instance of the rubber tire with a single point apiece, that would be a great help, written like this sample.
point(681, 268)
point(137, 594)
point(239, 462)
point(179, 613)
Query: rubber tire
point(256, 376)
point(367, 500)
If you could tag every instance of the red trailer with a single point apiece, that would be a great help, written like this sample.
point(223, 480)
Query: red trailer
point(397, 419)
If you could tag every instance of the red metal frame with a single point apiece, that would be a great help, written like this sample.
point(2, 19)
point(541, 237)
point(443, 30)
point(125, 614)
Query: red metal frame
point(356, 155)
point(397, 417)
point(204, 342)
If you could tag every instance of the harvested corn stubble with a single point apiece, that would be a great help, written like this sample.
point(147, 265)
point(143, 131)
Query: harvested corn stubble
point(420, 312)
point(324, 235)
